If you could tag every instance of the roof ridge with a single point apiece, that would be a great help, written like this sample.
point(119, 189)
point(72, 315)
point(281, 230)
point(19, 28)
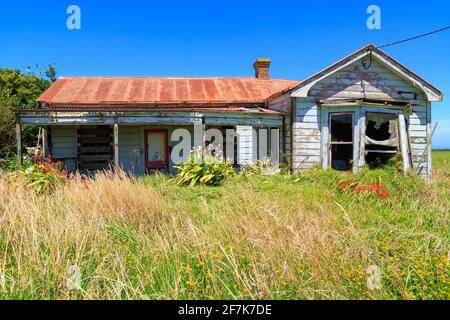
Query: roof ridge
point(174, 77)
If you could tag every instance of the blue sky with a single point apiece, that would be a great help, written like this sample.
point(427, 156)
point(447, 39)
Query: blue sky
point(223, 38)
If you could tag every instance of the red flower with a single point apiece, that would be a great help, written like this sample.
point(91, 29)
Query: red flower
point(384, 194)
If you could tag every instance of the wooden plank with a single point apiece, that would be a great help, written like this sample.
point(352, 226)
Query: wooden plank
point(429, 143)
point(94, 158)
point(307, 152)
point(244, 145)
point(94, 131)
point(404, 142)
point(306, 125)
point(310, 159)
point(45, 149)
point(307, 118)
point(97, 140)
point(305, 132)
point(362, 143)
point(19, 144)
point(305, 139)
point(418, 140)
point(64, 152)
point(306, 111)
point(324, 140)
point(310, 145)
point(94, 149)
point(95, 165)
point(418, 134)
point(275, 147)
point(116, 145)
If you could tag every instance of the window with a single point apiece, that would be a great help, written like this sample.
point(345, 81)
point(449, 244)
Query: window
point(341, 140)
point(381, 138)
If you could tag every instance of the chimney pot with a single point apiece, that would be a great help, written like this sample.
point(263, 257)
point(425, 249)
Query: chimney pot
point(262, 68)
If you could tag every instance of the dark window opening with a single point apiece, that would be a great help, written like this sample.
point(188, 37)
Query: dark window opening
point(95, 148)
point(381, 138)
point(341, 141)
point(341, 127)
point(342, 155)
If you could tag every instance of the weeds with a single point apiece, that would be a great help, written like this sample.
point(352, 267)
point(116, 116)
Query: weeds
point(254, 237)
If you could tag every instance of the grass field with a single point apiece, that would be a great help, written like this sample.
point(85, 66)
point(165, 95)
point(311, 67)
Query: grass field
point(318, 235)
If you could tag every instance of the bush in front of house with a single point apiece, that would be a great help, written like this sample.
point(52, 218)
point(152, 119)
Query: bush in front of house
point(39, 173)
point(261, 167)
point(205, 169)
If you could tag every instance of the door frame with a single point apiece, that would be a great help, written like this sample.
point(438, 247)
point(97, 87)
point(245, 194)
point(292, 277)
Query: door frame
point(325, 134)
point(156, 165)
point(330, 143)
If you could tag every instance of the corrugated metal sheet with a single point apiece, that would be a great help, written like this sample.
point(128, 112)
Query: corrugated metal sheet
point(144, 107)
point(118, 90)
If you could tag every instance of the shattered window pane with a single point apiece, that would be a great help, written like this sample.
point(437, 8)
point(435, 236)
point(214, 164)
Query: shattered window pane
point(381, 138)
point(382, 129)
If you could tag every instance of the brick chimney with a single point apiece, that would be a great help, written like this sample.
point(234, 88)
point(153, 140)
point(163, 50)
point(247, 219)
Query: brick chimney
point(262, 68)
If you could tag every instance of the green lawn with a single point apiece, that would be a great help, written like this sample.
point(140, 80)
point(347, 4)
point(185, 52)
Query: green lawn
point(441, 160)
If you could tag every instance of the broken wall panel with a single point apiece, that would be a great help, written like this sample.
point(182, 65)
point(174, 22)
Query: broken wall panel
point(95, 148)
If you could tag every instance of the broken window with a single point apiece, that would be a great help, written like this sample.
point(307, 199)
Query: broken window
point(381, 138)
point(341, 144)
point(95, 148)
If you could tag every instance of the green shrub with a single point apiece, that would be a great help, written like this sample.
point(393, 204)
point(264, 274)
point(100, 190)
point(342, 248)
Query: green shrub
point(206, 170)
point(39, 173)
point(9, 163)
point(260, 167)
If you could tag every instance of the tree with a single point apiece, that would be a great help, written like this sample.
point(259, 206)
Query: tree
point(20, 90)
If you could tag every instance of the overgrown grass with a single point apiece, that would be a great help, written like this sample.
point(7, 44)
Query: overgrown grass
point(280, 237)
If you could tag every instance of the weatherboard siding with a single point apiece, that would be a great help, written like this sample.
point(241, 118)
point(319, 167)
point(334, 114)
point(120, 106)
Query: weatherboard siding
point(377, 82)
point(354, 81)
point(64, 145)
point(306, 146)
point(245, 145)
point(131, 149)
point(283, 104)
point(418, 134)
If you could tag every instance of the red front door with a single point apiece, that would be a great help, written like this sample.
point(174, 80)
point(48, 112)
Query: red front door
point(156, 153)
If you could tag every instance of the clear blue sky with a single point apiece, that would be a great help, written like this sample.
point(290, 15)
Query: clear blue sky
point(223, 38)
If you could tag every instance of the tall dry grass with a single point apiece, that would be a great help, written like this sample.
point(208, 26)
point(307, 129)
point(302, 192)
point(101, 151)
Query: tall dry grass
point(131, 239)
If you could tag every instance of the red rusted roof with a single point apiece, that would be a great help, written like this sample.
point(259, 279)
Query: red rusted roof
point(135, 90)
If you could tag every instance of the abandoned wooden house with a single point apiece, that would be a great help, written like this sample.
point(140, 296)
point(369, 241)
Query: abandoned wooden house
point(360, 111)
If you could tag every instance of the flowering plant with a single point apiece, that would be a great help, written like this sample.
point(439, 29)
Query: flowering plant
point(40, 172)
point(372, 189)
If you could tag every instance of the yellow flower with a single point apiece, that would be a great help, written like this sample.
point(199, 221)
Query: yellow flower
point(190, 283)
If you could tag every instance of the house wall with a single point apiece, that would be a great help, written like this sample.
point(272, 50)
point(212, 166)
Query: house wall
point(131, 145)
point(283, 104)
point(246, 145)
point(352, 82)
point(306, 146)
point(63, 145)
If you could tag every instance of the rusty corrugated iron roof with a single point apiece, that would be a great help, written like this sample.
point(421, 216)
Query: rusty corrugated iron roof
point(177, 90)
